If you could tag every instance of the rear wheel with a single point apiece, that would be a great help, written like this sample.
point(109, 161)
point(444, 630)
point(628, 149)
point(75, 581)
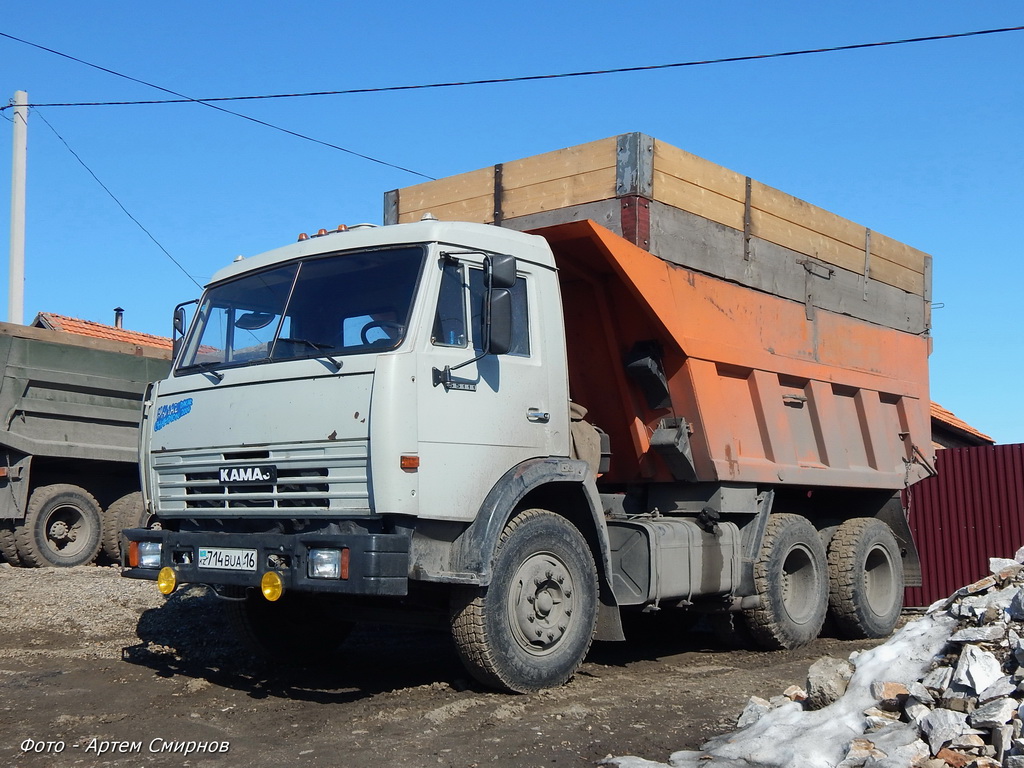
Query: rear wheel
point(298, 630)
point(62, 527)
point(790, 575)
point(865, 579)
point(532, 626)
point(8, 547)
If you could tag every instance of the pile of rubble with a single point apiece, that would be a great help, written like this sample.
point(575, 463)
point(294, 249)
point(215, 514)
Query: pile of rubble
point(946, 692)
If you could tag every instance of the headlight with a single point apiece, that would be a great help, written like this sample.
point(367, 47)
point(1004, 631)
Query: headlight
point(324, 564)
point(148, 554)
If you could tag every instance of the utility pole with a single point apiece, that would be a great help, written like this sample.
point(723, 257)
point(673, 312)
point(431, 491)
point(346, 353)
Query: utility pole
point(16, 270)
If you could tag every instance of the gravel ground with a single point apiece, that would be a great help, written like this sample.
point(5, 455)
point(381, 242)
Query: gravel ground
point(88, 659)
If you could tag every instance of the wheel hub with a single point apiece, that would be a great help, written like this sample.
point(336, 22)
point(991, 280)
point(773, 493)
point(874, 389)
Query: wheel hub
point(542, 602)
point(59, 530)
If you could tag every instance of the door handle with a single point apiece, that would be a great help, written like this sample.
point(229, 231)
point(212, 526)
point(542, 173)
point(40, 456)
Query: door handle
point(538, 416)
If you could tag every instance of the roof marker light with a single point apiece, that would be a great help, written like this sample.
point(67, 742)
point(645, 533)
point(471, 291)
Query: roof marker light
point(303, 236)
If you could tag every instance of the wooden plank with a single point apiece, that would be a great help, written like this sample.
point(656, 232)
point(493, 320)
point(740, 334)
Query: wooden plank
point(562, 164)
point(559, 193)
point(453, 189)
point(477, 209)
point(800, 239)
point(699, 200)
point(828, 224)
point(900, 253)
point(674, 162)
point(586, 174)
point(696, 243)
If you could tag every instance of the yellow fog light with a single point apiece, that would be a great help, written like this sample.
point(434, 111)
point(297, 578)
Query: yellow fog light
point(272, 585)
point(166, 581)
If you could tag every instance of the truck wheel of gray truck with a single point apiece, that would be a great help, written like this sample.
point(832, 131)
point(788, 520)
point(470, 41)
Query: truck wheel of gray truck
point(8, 547)
point(791, 576)
point(298, 630)
point(533, 625)
point(865, 579)
point(126, 512)
point(62, 527)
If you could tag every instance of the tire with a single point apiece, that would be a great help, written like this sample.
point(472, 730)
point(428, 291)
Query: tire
point(8, 547)
point(62, 527)
point(298, 630)
point(126, 512)
point(532, 626)
point(791, 576)
point(865, 579)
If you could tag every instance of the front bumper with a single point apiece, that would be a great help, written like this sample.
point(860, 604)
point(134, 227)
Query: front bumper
point(378, 563)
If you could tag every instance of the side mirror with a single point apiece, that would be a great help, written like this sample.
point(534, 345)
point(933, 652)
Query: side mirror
point(502, 270)
point(500, 340)
point(179, 321)
point(178, 324)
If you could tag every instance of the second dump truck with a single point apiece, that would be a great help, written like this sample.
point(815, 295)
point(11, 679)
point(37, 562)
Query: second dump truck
point(613, 377)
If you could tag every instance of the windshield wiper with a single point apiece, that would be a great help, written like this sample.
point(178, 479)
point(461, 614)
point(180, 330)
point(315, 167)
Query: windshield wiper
point(315, 346)
point(207, 367)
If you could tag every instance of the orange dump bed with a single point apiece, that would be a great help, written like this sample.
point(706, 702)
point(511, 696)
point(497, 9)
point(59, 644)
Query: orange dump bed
point(768, 395)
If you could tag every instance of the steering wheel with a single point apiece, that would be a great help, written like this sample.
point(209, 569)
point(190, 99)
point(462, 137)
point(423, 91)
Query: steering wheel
point(382, 325)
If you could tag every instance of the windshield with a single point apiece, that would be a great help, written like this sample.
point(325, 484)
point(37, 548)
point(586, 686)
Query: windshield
point(345, 304)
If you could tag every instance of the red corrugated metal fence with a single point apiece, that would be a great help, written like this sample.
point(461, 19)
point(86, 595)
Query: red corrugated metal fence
point(971, 511)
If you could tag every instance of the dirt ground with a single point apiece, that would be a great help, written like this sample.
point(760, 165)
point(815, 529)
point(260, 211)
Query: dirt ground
point(89, 660)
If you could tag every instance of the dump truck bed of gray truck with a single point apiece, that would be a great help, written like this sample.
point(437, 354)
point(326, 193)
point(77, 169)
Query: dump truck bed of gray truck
point(70, 408)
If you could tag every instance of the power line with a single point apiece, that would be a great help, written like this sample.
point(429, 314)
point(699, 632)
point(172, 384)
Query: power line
point(182, 98)
point(119, 203)
point(500, 80)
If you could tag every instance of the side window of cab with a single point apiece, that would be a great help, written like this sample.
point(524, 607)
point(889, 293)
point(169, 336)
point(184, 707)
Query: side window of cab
point(520, 313)
point(450, 316)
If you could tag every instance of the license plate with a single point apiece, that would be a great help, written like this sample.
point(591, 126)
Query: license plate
point(228, 559)
point(260, 474)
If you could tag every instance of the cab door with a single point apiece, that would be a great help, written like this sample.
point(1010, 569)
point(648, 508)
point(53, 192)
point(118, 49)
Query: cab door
point(499, 410)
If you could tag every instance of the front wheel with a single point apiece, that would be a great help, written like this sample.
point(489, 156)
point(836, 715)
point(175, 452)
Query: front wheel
point(532, 626)
point(62, 527)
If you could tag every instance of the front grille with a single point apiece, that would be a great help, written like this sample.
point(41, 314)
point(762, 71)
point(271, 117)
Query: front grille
point(322, 479)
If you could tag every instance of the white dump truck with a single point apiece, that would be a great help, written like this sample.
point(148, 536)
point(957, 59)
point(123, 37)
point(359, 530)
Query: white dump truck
point(655, 385)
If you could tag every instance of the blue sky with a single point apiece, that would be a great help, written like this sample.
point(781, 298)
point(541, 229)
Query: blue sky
point(921, 142)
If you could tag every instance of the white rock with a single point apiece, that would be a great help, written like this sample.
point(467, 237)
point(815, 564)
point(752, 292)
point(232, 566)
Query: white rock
point(1004, 686)
point(1019, 555)
point(990, 633)
point(977, 668)
point(827, 680)
point(997, 565)
point(915, 710)
point(993, 714)
point(756, 707)
point(1016, 606)
point(941, 726)
point(920, 692)
point(1002, 739)
point(938, 679)
point(902, 744)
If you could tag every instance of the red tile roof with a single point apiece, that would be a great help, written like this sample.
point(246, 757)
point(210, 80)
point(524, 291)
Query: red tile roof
point(99, 330)
point(950, 420)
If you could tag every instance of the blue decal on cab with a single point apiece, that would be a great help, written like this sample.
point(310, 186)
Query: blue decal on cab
point(170, 413)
